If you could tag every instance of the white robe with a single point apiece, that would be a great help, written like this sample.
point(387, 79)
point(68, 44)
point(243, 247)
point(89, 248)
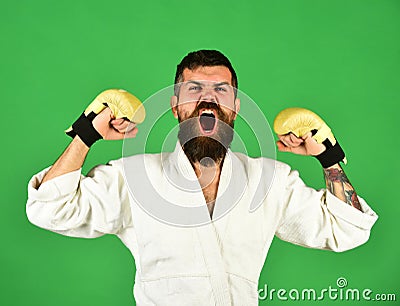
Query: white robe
point(217, 263)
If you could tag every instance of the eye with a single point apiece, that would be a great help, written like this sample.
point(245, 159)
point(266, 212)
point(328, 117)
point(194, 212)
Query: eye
point(221, 89)
point(195, 88)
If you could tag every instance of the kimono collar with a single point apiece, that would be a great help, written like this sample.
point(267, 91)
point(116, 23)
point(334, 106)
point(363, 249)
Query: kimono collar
point(185, 168)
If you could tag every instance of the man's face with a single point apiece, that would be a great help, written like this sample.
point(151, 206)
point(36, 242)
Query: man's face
point(205, 84)
point(206, 109)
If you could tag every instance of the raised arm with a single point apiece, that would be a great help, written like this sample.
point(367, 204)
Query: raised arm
point(303, 132)
point(335, 178)
point(63, 200)
point(339, 185)
point(320, 219)
point(74, 156)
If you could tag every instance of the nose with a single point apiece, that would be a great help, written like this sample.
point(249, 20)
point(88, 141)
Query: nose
point(208, 96)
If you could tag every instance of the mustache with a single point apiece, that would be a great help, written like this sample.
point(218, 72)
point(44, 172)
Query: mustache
point(198, 147)
point(209, 105)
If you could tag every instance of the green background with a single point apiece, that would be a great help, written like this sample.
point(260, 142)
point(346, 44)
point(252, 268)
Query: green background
point(339, 58)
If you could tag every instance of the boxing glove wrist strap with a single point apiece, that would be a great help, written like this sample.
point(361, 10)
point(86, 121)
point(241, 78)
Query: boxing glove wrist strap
point(84, 128)
point(332, 155)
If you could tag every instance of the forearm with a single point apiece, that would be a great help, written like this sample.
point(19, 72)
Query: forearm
point(72, 159)
point(339, 185)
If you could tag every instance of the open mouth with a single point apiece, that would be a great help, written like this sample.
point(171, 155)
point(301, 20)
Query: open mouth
point(207, 120)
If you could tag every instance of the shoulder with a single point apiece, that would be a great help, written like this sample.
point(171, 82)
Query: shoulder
point(262, 164)
point(139, 163)
point(268, 172)
point(135, 159)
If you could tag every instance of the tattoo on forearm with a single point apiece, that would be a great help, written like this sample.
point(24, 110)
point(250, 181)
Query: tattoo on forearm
point(339, 185)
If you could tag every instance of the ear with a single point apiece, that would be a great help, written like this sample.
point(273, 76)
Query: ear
point(237, 107)
point(174, 106)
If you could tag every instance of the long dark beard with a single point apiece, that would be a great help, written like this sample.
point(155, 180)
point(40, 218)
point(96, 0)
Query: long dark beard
point(206, 149)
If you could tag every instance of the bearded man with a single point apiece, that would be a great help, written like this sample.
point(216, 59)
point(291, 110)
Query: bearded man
point(216, 255)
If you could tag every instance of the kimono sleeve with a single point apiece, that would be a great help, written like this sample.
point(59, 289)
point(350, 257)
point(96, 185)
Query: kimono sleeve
point(317, 219)
point(80, 206)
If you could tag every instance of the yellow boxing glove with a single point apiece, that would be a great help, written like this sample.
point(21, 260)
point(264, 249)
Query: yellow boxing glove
point(121, 103)
point(300, 121)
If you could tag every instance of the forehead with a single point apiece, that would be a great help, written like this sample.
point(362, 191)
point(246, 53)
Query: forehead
point(208, 73)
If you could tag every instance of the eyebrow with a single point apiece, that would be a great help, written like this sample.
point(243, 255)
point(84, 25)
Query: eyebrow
point(202, 84)
point(193, 82)
point(221, 84)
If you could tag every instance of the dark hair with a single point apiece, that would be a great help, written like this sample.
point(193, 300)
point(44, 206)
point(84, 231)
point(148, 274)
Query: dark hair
point(205, 58)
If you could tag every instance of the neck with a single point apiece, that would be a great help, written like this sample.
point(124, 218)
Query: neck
point(208, 173)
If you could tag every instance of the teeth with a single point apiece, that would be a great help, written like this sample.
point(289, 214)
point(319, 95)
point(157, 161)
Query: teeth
point(207, 111)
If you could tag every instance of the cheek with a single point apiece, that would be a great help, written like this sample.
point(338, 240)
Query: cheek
point(189, 98)
point(182, 114)
point(185, 110)
point(229, 113)
point(227, 105)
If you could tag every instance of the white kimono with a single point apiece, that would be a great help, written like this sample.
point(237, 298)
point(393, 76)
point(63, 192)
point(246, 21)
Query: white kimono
point(217, 263)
